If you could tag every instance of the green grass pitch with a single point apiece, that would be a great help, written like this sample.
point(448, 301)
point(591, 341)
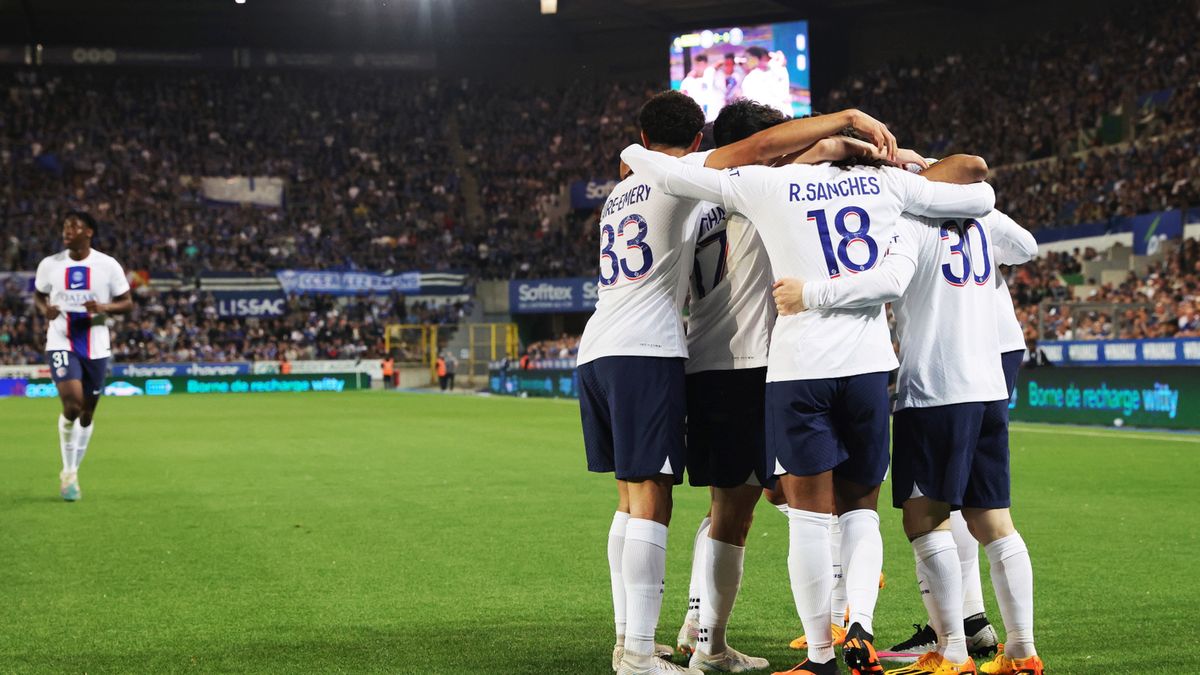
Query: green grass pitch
point(382, 532)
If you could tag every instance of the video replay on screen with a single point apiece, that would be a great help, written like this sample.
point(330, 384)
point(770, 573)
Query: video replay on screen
point(767, 63)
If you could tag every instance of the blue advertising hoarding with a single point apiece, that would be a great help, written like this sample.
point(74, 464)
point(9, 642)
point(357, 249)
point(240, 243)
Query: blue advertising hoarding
point(546, 296)
point(590, 194)
point(251, 303)
point(1177, 352)
point(119, 370)
point(347, 283)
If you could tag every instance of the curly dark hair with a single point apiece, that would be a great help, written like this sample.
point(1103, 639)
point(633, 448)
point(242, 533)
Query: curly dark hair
point(672, 119)
point(85, 217)
point(742, 119)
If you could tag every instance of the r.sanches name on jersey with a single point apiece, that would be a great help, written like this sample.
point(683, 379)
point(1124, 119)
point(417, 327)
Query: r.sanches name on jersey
point(710, 219)
point(634, 195)
point(847, 187)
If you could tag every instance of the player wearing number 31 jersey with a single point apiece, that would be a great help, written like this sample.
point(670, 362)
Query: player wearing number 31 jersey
point(827, 402)
point(76, 289)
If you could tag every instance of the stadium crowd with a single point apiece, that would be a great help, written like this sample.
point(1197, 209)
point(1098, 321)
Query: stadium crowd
point(185, 325)
point(421, 173)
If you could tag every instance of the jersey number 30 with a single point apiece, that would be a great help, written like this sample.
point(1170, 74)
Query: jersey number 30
point(973, 255)
point(837, 255)
point(619, 265)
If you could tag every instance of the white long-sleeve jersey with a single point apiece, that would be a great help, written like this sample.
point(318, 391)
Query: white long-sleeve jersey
point(819, 222)
point(938, 275)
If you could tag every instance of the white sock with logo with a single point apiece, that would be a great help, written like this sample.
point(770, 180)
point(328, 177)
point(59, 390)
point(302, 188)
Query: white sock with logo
point(616, 543)
point(809, 563)
point(723, 578)
point(699, 561)
point(643, 566)
point(837, 601)
point(940, 579)
point(80, 437)
point(862, 562)
point(968, 557)
point(65, 431)
point(1012, 578)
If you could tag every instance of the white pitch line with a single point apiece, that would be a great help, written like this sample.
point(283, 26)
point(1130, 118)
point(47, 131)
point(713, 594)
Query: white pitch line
point(1099, 433)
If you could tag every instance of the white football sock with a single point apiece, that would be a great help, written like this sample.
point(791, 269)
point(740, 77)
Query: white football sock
point(837, 602)
point(1012, 578)
point(644, 567)
point(783, 508)
point(616, 542)
point(968, 557)
point(80, 437)
point(940, 577)
point(809, 562)
point(65, 429)
point(723, 578)
point(699, 562)
point(862, 562)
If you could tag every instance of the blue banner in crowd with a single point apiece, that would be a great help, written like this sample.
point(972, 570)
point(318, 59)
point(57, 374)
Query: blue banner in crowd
point(1151, 228)
point(251, 303)
point(179, 369)
point(347, 283)
point(1178, 352)
point(589, 194)
point(540, 296)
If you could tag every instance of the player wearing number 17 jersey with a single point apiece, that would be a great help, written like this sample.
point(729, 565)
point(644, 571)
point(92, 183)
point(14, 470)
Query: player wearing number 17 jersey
point(827, 402)
point(951, 448)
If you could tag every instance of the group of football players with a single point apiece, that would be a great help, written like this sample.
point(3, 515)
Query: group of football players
point(784, 244)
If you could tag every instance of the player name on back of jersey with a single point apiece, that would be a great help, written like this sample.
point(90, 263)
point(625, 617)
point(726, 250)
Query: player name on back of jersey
point(638, 193)
point(849, 186)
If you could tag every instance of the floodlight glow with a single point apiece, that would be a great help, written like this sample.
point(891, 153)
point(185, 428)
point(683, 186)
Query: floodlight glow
point(549, 6)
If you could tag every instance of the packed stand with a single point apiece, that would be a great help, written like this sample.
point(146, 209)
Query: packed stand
point(1163, 302)
point(1135, 74)
point(184, 326)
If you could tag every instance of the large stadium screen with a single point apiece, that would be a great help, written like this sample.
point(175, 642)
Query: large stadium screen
point(767, 63)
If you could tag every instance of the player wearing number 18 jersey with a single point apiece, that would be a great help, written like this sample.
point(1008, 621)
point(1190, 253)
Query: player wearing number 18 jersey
point(951, 448)
point(76, 288)
point(827, 402)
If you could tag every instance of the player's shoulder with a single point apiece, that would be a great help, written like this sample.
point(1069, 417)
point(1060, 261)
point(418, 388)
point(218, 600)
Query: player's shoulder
point(696, 158)
point(54, 258)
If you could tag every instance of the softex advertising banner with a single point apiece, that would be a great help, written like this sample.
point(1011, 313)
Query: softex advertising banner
point(548, 296)
point(211, 384)
point(1166, 398)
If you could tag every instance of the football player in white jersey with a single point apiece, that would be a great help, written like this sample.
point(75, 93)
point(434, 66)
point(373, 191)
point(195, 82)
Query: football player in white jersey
point(730, 313)
point(76, 289)
point(951, 423)
point(826, 402)
point(631, 355)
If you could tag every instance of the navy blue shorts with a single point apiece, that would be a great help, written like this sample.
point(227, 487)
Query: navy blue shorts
point(1011, 363)
point(956, 454)
point(726, 436)
point(838, 424)
point(634, 411)
point(65, 365)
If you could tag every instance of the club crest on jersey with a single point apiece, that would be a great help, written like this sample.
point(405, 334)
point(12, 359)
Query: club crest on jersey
point(79, 278)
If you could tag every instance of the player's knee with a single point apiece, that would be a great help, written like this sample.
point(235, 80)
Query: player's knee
point(988, 525)
point(85, 417)
point(72, 409)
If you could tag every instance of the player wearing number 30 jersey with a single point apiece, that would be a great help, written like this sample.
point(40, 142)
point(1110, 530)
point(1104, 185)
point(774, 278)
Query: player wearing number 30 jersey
point(827, 401)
